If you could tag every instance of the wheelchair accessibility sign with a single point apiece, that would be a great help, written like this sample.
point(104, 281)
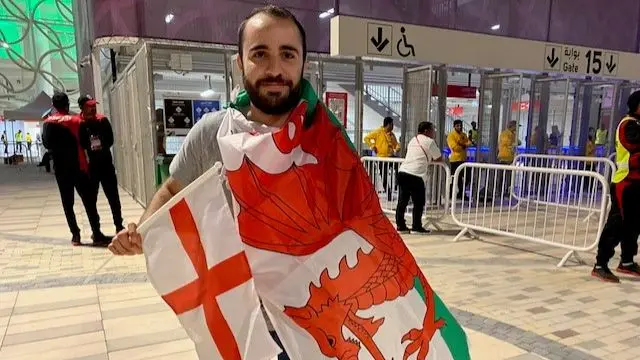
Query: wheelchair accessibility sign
point(384, 40)
point(404, 47)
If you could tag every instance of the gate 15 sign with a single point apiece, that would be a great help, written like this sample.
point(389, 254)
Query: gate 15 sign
point(575, 59)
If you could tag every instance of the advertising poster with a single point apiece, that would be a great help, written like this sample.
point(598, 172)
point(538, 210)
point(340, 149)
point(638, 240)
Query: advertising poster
point(202, 107)
point(337, 103)
point(178, 114)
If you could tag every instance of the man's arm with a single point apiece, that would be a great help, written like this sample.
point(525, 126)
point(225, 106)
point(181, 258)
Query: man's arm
point(107, 134)
point(83, 133)
point(168, 190)
point(47, 135)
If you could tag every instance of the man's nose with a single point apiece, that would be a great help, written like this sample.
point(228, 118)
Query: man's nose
point(274, 67)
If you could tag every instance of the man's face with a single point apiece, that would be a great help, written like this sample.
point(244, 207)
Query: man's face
point(272, 63)
point(89, 111)
point(388, 128)
point(458, 127)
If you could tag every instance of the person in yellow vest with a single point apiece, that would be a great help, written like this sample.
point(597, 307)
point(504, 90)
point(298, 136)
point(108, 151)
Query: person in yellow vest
point(29, 140)
point(18, 138)
point(622, 225)
point(458, 143)
point(384, 144)
point(507, 152)
point(474, 135)
point(590, 148)
point(601, 135)
point(382, 140)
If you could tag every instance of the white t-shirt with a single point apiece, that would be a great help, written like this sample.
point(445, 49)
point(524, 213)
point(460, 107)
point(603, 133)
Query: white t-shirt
point(420, 151)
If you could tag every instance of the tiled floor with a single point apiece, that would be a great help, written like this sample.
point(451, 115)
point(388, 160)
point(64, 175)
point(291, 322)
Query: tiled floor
point(63, 302)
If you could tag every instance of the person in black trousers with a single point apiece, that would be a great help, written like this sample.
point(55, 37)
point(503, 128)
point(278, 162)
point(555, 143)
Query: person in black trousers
point(60, 137)
point(96, 137)
point(421, 150)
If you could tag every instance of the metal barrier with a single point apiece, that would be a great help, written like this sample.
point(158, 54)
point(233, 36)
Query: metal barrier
point(558, 221)
point(383, 173)
point(526, 194)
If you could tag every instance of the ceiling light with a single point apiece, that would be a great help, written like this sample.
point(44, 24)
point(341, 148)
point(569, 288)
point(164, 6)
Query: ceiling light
point(169, 18)
point(208, 93)
point(495, 27)
point(326, 14)
point(4, 45)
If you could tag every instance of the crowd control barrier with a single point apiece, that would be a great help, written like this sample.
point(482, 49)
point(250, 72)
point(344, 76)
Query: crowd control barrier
point(558, 220)
point(383, 173)
point(563, 183)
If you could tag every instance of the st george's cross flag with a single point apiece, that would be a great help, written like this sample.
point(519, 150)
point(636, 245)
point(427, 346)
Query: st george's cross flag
point(335, 278)
point(196, 262)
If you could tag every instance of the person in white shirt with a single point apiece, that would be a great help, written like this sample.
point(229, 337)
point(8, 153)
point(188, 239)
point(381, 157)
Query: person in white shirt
point(422, 150)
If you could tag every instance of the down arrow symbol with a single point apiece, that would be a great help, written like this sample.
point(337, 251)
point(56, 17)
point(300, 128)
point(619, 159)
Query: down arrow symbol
point(610, 65)
point(379, 43)
point(553, 59)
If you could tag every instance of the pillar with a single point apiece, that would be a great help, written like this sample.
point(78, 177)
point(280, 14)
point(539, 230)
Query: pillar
point(359, 104)
point(442, 106)
point(543, 116)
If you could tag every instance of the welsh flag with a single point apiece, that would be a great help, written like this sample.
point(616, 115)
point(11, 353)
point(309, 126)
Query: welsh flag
point(335, 278)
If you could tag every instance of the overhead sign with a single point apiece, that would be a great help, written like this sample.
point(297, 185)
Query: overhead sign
point(202, 107)
point(581, 60)
point(353, 36)
point(178, 114)
point(457, 91)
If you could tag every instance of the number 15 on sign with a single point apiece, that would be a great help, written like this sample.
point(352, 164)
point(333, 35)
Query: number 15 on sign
point(601, 62)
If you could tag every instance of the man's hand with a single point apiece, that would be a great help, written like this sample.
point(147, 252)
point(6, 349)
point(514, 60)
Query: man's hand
point(127, 242)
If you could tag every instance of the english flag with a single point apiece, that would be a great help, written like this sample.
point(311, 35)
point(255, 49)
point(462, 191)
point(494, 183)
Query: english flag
point(197, 263)
point(308, 238)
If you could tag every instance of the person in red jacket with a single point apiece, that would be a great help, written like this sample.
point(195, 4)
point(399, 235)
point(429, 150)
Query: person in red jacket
point(622, 223)
point(96, 138)
point(60, 135)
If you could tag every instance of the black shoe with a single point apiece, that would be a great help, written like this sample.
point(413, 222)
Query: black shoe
point(100, 239)
point(420, 230)
point(604, 274)
point(403, 230)
point(633, 269)
point(75, 240)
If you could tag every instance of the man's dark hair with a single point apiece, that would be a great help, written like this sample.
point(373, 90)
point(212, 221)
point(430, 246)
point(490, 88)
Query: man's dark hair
point(387, 121)
point(424, 126)
point(277, 12)
point(457, 122)
point(60, 100)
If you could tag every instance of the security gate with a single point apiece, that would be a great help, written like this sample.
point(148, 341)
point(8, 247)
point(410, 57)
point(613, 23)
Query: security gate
point(418, 87)
point(133, 123)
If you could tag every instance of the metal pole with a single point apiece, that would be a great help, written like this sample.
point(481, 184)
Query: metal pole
point(359, 104)
point(405, 110)
point(442, 104)
point(227, 79)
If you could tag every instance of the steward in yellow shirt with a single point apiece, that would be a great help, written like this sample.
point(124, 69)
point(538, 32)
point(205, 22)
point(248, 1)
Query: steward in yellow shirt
point(507, 144)
point(382, 140)
point(458, 143)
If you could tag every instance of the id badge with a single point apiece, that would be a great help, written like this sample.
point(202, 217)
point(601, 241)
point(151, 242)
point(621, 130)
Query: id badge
point(95, 143)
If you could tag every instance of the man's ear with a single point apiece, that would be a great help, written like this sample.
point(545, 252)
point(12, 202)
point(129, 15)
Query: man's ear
point(239, 62)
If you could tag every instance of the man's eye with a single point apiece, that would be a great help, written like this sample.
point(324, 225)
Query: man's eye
point(288, 55)
point(259, 55)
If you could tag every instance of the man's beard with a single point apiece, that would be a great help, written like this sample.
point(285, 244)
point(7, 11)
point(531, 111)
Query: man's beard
point(275, 104)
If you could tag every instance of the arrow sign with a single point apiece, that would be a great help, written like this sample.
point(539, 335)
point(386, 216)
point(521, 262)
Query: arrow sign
point(611, 65)
point(552, 59)
point(379, 42)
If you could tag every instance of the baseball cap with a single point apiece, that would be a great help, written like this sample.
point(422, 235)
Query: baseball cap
point(86, 99)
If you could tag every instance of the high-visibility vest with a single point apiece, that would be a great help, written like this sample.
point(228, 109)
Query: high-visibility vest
point(622, 155)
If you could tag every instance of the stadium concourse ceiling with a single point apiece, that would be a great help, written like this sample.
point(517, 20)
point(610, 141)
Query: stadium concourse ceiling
point(37, 50)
